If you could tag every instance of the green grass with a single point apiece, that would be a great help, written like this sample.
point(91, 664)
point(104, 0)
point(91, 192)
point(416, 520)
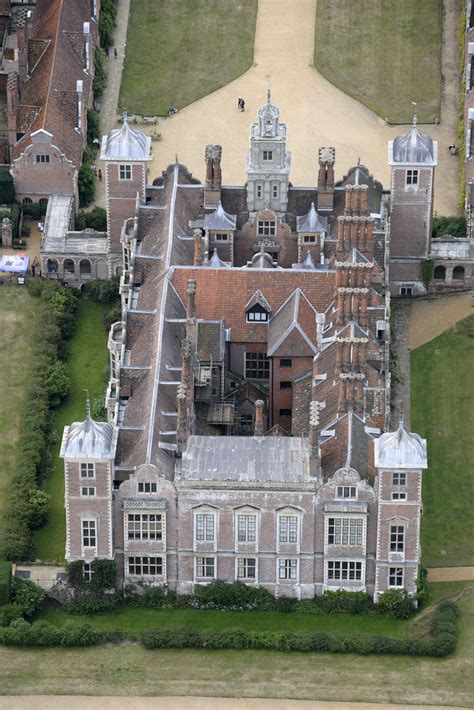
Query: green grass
point(179, 51)
point(87, 360)
point(130, 670)
point(17, 317)
point(384, 54)
point(442, 373)
point(134, 621)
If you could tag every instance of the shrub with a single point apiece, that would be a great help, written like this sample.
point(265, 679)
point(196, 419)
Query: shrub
point(7, 188)
point(93, 126)
point(5, 581)
point(99, 410)
point(103, 290)
point(75, 574)
point(100, 74)
point(107, 20)
point(26, 595)
point(452, 226)
point(112, 316)
point(104, 575)
point(426, 272)
point(15, 220)
point(38, 501)
point(96, 603)
point(397, 603)
point(86, 184)
point(34, 210)
point(42, 634)
point(95, 219)
point(9, 613)
point(58, 382)
point(422, 589)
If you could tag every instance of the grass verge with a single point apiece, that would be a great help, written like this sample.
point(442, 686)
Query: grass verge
point(442, 412)
point(179, 51)
point(17, 316)
point(129, 669)
point(87, 360)
point(135, 620)
point(384, 54)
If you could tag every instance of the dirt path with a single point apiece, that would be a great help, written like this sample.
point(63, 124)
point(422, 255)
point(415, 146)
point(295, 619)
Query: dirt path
point(431, 317)
point(316, 112)
point(451, 574)
point(73, 702)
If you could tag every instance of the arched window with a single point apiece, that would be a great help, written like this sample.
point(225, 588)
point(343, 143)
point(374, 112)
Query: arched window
point(85, 267)
point(52, 266)
point(27, 201)
point(458, 273)
point(68, 266)
point(43, 201)
point(440, 273)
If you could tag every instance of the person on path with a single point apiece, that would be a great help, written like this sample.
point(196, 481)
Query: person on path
point(107, 52)
point(241, 104)
point(115, 52)
point(100, 175)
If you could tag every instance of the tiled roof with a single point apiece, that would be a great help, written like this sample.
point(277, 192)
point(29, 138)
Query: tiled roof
point(296, 315)
point(52, 84)
point(224, 293)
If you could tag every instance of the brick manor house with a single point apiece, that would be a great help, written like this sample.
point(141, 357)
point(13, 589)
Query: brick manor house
point(249, 395)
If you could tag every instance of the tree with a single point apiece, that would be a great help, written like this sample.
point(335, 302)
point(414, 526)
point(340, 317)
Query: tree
point(58, 382)
point(95, 219)
point(7, 188)
point(86, 184)
point(93, 126)
point(39, 503)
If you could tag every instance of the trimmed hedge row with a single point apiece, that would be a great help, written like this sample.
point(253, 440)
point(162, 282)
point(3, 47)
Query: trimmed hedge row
point(27, 504)
point(42, 634)
point(442, 642)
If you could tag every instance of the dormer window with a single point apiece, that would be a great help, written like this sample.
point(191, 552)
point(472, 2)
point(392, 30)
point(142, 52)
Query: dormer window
point(221, 237)
point(347, 492)
point(309, 239)
point(268, 154)
point(257, 314)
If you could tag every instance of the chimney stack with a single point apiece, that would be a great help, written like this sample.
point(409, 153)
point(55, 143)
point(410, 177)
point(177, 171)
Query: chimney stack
point(22, 39)
point(314, 457)
point(258, 431)
point(182, 424)
point(327, 156)
point(191, 291)
point(13, 99)
point(197, 247)
point(212, 189)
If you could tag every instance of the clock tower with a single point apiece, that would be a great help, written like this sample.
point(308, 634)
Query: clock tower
point(268, 164)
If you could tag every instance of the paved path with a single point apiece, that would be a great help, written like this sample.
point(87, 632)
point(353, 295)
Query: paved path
point(74, 702)
point(401, 353)
point(451, 574)
point(109, 101)
point(316, 112)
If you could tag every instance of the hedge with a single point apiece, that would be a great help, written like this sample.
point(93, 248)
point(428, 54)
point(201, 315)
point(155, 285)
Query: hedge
point(235, 596)
point(5, 581)
point(441, 643)
point(42, 634)
point(26, 507)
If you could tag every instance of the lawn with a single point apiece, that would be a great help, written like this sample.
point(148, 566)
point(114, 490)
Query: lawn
point(17, 317)
point(87, 361)
point(442, 373)
point(179, 51)
point(134, 621)
point(129, 669)
point(384, 54)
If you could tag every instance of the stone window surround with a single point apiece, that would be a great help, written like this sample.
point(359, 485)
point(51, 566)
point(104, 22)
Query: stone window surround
point(412, 177)
point(396, 577)
point(345, 531)
point(125, 171)
point(290, 566)
point(346, 566)
point(266, 228)
point(289, 527)
point(153, 561)
point(351, 492)
point(210, 524)
point(397, 538)
point(89, 532)
point(145, 527)
point(242, 565)
point(87, 470)
point(205, 564)
point(243, 529)
point(86, 492)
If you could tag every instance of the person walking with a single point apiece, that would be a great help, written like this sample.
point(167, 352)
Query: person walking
point(241, 104)
point(115, 52)
point(107, 52)
point(100, 175)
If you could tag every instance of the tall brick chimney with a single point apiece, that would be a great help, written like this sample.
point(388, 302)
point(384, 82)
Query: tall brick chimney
point(191, 292)
point(327, 156)
point(259, 430)
point(212, 189)
point(13, 98)
point(22, 40)
point(197, 247)
point(182, 424)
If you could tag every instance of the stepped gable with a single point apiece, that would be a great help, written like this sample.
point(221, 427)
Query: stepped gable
point(52, 85)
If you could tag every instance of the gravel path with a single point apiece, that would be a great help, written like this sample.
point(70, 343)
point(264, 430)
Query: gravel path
point(451, 574)
point(432, 316)
point(317, 113)
point(73, 702)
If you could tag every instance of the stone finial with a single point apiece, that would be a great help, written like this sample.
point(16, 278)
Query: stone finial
point(197, 247)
